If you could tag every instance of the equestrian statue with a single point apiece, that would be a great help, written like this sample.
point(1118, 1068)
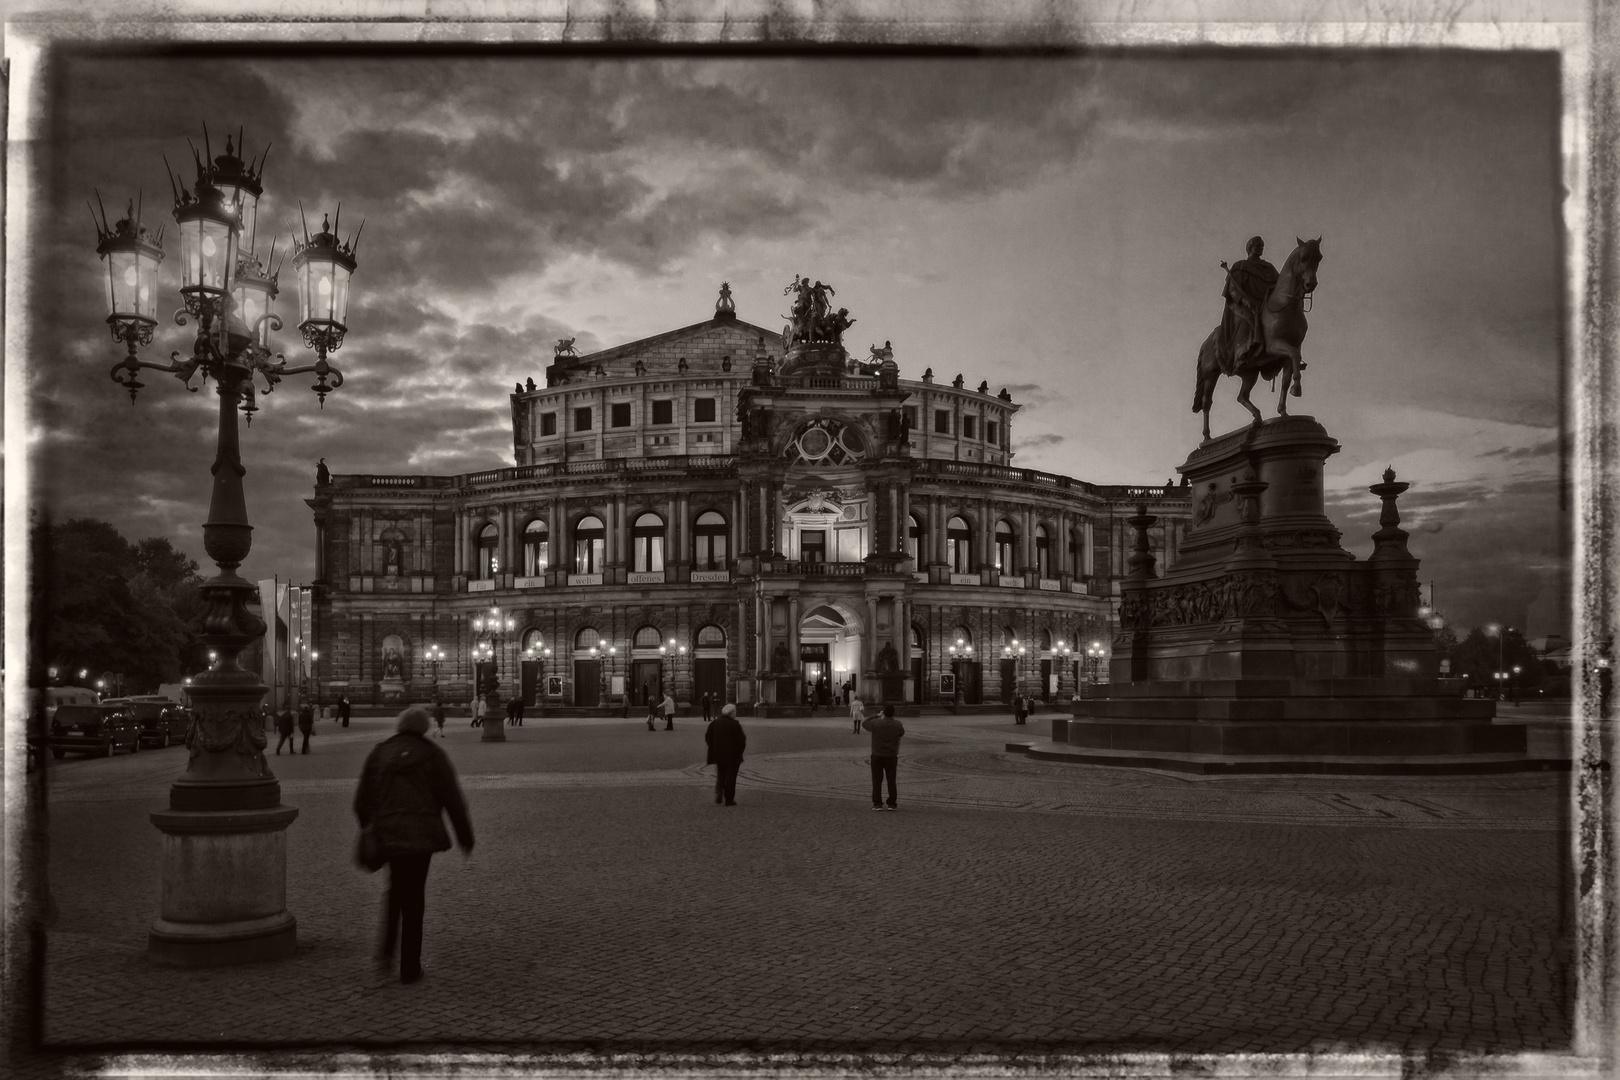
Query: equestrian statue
point(1261, 327)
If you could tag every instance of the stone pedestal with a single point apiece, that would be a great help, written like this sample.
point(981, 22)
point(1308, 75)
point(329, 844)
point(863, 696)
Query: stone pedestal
point(1271, 648)
point(224, 887)
point(492, 725)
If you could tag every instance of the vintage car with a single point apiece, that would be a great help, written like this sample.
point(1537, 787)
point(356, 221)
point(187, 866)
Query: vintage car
point(163, 721)
point(94, 729)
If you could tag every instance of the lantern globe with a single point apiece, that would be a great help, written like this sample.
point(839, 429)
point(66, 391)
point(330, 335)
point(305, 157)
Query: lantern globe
point(208, 239)
point(238, 183)
point(324, 266)
point(254, 292)
point(132, 253)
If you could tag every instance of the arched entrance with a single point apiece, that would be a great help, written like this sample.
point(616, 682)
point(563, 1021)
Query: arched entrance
point(830, 654)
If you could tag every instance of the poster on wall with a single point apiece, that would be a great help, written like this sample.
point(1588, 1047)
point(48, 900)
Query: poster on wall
point(947, 683)
point(554, 687)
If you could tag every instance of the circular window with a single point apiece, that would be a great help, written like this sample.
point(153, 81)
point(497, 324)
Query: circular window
point(827, 442)
point(815, 443)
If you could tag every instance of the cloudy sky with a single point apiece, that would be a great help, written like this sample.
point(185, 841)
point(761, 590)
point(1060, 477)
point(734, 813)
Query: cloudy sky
point(1051, 223)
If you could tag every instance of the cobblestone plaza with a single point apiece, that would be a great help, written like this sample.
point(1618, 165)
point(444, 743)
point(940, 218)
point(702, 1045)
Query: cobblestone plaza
point(1012, 907)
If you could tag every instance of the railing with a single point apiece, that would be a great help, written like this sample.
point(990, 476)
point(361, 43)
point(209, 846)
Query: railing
point(1010, 474)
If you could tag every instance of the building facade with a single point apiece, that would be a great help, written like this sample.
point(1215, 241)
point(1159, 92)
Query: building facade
point(729, 510)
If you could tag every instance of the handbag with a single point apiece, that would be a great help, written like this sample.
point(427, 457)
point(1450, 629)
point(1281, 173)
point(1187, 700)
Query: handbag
point(369, 853)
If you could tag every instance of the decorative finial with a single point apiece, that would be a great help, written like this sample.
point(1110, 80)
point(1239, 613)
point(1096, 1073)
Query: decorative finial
point(1389, 474)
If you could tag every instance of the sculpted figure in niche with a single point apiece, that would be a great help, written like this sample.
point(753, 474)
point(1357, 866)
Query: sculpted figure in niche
point(394, 561)
point(393, 661)
point(888, 659)
point(779, 657)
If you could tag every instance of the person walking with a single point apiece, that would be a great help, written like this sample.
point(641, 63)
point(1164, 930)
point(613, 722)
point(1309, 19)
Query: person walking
point(284, 729)
point(886, 732)
point(438, 715)
point(652, 708)
point(669, 711)
point(517, 703)
point(343, 710)
point(726, 740)
point(406, 788)
point(708, 715)
point(857, 713)
point(511, 713)
point(477, 706)
point(306, 723)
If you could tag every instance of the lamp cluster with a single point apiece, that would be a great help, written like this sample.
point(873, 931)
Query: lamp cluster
point(225, 285)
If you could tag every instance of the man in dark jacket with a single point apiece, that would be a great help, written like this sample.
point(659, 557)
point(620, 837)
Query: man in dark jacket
point(343, 710)
point(284, 731)
point(406, 788)
point(306, 722)
point(726, 741)
point(886, 732)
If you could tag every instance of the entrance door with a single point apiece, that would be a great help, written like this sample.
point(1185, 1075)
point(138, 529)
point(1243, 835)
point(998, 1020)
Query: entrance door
point(709, 677)
point(646, 680)
point(531, 680)
point(967, 680)
point(1047, 688)
point(588, 683)
point(917, 678)
point(1009, 680)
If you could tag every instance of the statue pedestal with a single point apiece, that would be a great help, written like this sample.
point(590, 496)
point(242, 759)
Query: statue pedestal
point(1271, 648)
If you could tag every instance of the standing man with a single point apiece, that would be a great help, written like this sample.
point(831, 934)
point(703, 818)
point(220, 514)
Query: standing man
point(707, 714)
point(306, 723)
point(438, 715)
point(1020, 710)
point(857, 713)
point(886, 732)
point(517, 704)
point(668, 706)
point(343, 709)
point(726, 741)
point(406, 788)
point(284, 729)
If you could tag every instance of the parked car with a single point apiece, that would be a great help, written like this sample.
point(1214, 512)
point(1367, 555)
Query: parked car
point(162, 721)
point(94, 729)
point(56, 696)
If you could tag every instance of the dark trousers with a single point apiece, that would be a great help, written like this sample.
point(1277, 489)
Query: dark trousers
point(725, 780)
point(407, 897)
point(884, 767)
point(306, 742)
point(287, 741)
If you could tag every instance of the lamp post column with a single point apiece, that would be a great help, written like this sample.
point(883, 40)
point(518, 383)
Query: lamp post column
point(224, 849)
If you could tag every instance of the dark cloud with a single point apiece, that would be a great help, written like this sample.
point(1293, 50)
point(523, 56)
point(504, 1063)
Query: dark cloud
point(1038, 442)
point(1549, 448)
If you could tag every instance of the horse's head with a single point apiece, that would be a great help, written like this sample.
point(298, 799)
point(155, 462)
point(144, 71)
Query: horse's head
point(1306, 258)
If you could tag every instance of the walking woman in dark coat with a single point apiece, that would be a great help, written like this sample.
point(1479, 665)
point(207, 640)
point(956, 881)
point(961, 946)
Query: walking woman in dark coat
point(726, 741)
point(406, 787)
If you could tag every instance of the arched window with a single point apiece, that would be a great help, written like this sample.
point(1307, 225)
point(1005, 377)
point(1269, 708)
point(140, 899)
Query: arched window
point(914, 537)
point(916, 640)
point(590, 545)
point(489, 563)
point(586, 639)
point(647, 544)
point(709, 539)
point(1009, 637)
point(1043, 552)
point(533, 641)
point(1006, 560)
point(711, 637)
point(647, 637)
point(1046, 640)
point(961, 640)
point(959, 546)
point(536, 548)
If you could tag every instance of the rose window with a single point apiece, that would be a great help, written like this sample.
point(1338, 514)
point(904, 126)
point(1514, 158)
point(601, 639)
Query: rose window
point(827, 442)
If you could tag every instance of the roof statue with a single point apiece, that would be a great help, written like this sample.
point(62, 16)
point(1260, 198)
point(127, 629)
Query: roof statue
point(565, 347)
point(811, 317)
point(1262, 326)
point(725, 303)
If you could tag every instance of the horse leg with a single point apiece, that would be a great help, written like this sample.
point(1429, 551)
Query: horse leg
point(1243, 396)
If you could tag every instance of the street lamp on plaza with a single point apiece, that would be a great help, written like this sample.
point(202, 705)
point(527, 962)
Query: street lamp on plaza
point(225, 812)
point(434, 655)
point(539, 651)
point(1063, 651)
point(1095, 652)
point(963, 651)
point(676, 651)
point(495, 625)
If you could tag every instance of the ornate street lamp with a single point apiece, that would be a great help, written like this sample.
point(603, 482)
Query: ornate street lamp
point(1095, 652)
point(964, 652)
point(434, 656)
point(1061, 648)
point(495, 625)
point(224, 853)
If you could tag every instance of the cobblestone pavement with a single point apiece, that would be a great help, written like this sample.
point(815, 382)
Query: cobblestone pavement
point(1011, 906)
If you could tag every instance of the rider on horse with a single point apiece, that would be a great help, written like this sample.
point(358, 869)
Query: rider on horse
point(1248, 285)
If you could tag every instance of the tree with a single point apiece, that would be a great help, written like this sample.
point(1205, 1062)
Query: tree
point(104, 605)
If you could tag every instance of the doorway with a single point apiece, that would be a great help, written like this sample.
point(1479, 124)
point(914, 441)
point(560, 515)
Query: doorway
point(646, 681)
point(588, 683)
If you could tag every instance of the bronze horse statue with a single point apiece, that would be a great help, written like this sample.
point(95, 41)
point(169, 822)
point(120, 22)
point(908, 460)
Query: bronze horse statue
point(1283, 326)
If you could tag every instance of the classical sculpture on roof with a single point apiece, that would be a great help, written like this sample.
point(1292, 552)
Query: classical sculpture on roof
point(565, 347)
point(1262, 326)
point(812, 318)
point(725, 303)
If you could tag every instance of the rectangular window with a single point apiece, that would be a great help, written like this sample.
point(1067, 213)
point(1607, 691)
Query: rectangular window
point(911, 416)
point(967, 427)
point(703, 410)
point(548, 423)
point(942, 421)
point(813, 546)
point(621, 414)
point(582, 419)
point(663, 412)
point(991, 431)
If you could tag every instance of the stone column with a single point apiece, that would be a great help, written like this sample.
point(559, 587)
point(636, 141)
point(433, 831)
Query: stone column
point(905, 523)
point(778, 516)
point(870, 639)
point(793, 638)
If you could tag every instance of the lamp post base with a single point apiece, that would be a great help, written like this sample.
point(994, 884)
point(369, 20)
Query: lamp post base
point(493, 725)
point(224, 887)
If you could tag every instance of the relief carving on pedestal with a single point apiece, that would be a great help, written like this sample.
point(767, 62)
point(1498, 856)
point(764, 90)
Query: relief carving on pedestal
point(228, 730)
point(1244, 595)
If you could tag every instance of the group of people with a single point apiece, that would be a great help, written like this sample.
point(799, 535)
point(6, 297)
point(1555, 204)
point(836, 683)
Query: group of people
point(408, 786)
point(666, 709)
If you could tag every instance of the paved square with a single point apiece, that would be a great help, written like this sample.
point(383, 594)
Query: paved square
point(1011, 906)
